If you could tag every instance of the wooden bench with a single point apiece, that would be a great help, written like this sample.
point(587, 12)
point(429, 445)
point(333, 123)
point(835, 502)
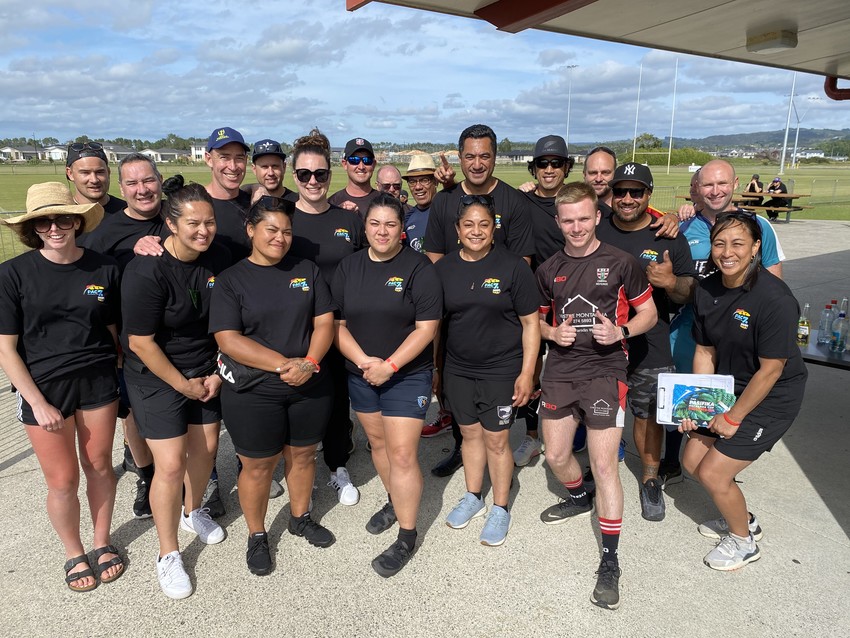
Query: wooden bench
point(779, 209)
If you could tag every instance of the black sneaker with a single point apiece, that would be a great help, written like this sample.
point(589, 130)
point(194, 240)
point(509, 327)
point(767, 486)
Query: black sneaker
point(129, 463)
point(606, 594)
point(212, 500)
point(315, 534)
point(258, 556)
point(670, 473)
point(589, 482)
point(652, 501)
point(449, 465)
point(564, 511)
point(142, 504)
point(390, 561)
point(382, 520)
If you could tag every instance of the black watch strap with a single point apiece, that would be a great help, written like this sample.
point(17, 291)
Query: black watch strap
point(625, 331)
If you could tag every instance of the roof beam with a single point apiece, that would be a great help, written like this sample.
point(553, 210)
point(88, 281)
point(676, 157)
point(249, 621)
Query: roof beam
point(353, 5)
point(513, 16)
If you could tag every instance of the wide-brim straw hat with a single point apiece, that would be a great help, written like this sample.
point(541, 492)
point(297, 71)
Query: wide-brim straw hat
point(420, 165)
point(54, 198)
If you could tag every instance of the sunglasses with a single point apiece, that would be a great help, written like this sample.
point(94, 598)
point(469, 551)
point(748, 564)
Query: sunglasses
point(390, 186)
point(303, 175)
point(355, 160)
point(86, 146)
point(484, 200)
point(63, 222)
point(554, 163)
point(636, 193)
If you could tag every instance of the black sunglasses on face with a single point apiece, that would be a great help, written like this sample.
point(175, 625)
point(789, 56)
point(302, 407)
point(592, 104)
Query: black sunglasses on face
point(63, 222)
point(303, 175)
point(354, 160)
point(636, 193)
point(546, 163)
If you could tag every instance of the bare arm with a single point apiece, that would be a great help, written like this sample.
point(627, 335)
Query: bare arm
point(155, 360)
point(524, 384)
point(47, 416)
point(422, 335)
point(298, 370)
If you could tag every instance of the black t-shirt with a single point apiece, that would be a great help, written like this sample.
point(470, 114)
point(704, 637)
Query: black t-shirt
point(651, 349)
point(326, 238)
point(483, 301)
point(513, 221)
point(743, 326)
point(382, 301)
point(272, 305)
point(170, 299)
point(362, 203)
point(548, 238)
point(117, 234)
point(230, 224)
point(607, 280)
point(60, 312)
point(113, 205)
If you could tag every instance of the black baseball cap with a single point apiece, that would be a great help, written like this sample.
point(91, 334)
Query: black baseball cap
point(358, 144)
point(632, 172)
point(267, 147)
point(78, 150)
point(551, 145)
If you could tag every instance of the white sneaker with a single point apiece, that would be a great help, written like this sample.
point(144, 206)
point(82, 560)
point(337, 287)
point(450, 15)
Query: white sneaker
point(527, 450)
point(199, 522)
point(173, 578)
point(345, 490)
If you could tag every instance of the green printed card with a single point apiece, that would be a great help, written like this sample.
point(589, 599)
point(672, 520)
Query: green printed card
point(693, 396)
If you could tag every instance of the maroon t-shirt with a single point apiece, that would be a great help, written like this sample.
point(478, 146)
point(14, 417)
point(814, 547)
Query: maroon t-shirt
point(608, 280)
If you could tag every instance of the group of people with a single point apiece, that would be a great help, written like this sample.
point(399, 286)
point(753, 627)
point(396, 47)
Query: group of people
point(279, 311)
point(775, 189)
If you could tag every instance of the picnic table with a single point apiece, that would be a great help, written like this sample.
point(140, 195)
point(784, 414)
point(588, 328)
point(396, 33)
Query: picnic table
point(821, 355)
point(743, 200)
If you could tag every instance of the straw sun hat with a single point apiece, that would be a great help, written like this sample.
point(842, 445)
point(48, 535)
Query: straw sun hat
point(54, 198)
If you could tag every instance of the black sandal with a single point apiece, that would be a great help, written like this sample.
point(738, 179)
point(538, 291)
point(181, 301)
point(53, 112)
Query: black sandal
point(72, 578)
point(102, 567)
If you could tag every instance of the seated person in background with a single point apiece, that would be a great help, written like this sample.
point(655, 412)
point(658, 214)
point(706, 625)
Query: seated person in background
point(755, 186)
point(776, 187)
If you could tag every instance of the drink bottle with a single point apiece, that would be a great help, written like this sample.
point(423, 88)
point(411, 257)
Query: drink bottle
point(803, 327)
point(827, 316)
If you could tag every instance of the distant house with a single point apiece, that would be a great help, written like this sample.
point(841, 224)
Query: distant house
point(54, 153)
point(115, 152)
point(512, 157)
point(196, 152)
point(19, 153)
point(160, 155)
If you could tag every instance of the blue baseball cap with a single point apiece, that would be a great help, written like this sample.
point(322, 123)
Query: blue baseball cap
point(225, 135)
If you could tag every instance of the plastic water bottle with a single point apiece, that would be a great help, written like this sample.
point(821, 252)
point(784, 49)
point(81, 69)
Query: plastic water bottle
point(827, 316)
point(839, 329)
point(803, 327)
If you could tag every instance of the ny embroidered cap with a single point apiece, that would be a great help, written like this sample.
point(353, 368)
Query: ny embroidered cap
point(553, 145)
point(632, 172)
point(225, 135)
point(358, 144)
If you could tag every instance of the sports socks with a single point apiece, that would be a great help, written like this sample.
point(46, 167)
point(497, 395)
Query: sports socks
point(578, 492)
point(610, 528)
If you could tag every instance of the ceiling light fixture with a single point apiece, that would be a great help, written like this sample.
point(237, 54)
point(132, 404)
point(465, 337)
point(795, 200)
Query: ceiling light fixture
point(771, 42)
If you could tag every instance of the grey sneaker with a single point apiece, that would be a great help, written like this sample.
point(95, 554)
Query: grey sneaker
point(652, 501)
point(732, 553)
point(606, 594)
point(565, 510)
point(527, 450)
point(382, 520)
point(468, 507)
point(201, 523)
point(496, 527)
point(718, 528)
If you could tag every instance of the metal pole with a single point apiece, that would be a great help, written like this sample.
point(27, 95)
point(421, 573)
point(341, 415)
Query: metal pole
point(672, 115)
point(796, 138)
point(787, 125)
point(570, 101)
point(637, 110)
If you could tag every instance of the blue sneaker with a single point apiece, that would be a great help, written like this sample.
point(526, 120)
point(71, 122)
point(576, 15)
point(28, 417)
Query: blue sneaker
point(468, 507)
point(621, 453)
point(580, 439)
point(496, 528)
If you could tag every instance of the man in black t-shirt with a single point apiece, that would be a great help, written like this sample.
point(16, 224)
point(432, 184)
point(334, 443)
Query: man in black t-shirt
point(669, 268)
point(268, 161)
point(87, 168)
point(358, 161)
point(776, 188)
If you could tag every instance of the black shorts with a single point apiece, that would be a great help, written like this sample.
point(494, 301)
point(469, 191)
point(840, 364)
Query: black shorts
point(161, 412)
point(598, 403)
point(643, 390)
point(484, 401)
point(272, 414)
point(123, 397)
point(403, 395)
point(84, 390)
point(757, 434)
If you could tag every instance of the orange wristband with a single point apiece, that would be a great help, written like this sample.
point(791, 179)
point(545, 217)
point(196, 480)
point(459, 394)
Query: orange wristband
point(314, 362)
point(730, 421)
point(392, 365)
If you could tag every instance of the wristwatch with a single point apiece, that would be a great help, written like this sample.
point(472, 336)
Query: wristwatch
point(625, 332)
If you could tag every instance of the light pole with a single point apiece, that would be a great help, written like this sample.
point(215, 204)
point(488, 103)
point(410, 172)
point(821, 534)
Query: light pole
point(787, 126)
point(570, 100)
point(637, 112)
point(797, 135)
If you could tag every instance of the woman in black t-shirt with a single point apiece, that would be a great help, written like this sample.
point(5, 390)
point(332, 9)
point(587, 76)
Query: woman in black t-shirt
point(273, 315)
point(492, 340)
point(59, 306)
point(745, 326)
point(325, 234)
point(390, 304)
point(169, 368)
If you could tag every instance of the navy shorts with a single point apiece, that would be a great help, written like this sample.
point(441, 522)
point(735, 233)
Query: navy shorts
point(407, 395)
point(84, 390)
point(598, 403)
point(161, 412)
point(272, 414)
point(484, 401)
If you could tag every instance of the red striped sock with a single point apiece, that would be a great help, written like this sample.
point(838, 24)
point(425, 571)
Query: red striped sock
point(610, 528)
point(578, 493)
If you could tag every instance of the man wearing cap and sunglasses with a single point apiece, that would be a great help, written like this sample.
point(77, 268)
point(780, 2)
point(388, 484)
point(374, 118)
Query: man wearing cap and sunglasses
point(268, 161)
point(87, 168)
point(358, 160)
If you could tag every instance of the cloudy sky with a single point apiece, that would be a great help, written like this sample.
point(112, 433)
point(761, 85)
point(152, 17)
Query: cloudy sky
point(143, 69)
